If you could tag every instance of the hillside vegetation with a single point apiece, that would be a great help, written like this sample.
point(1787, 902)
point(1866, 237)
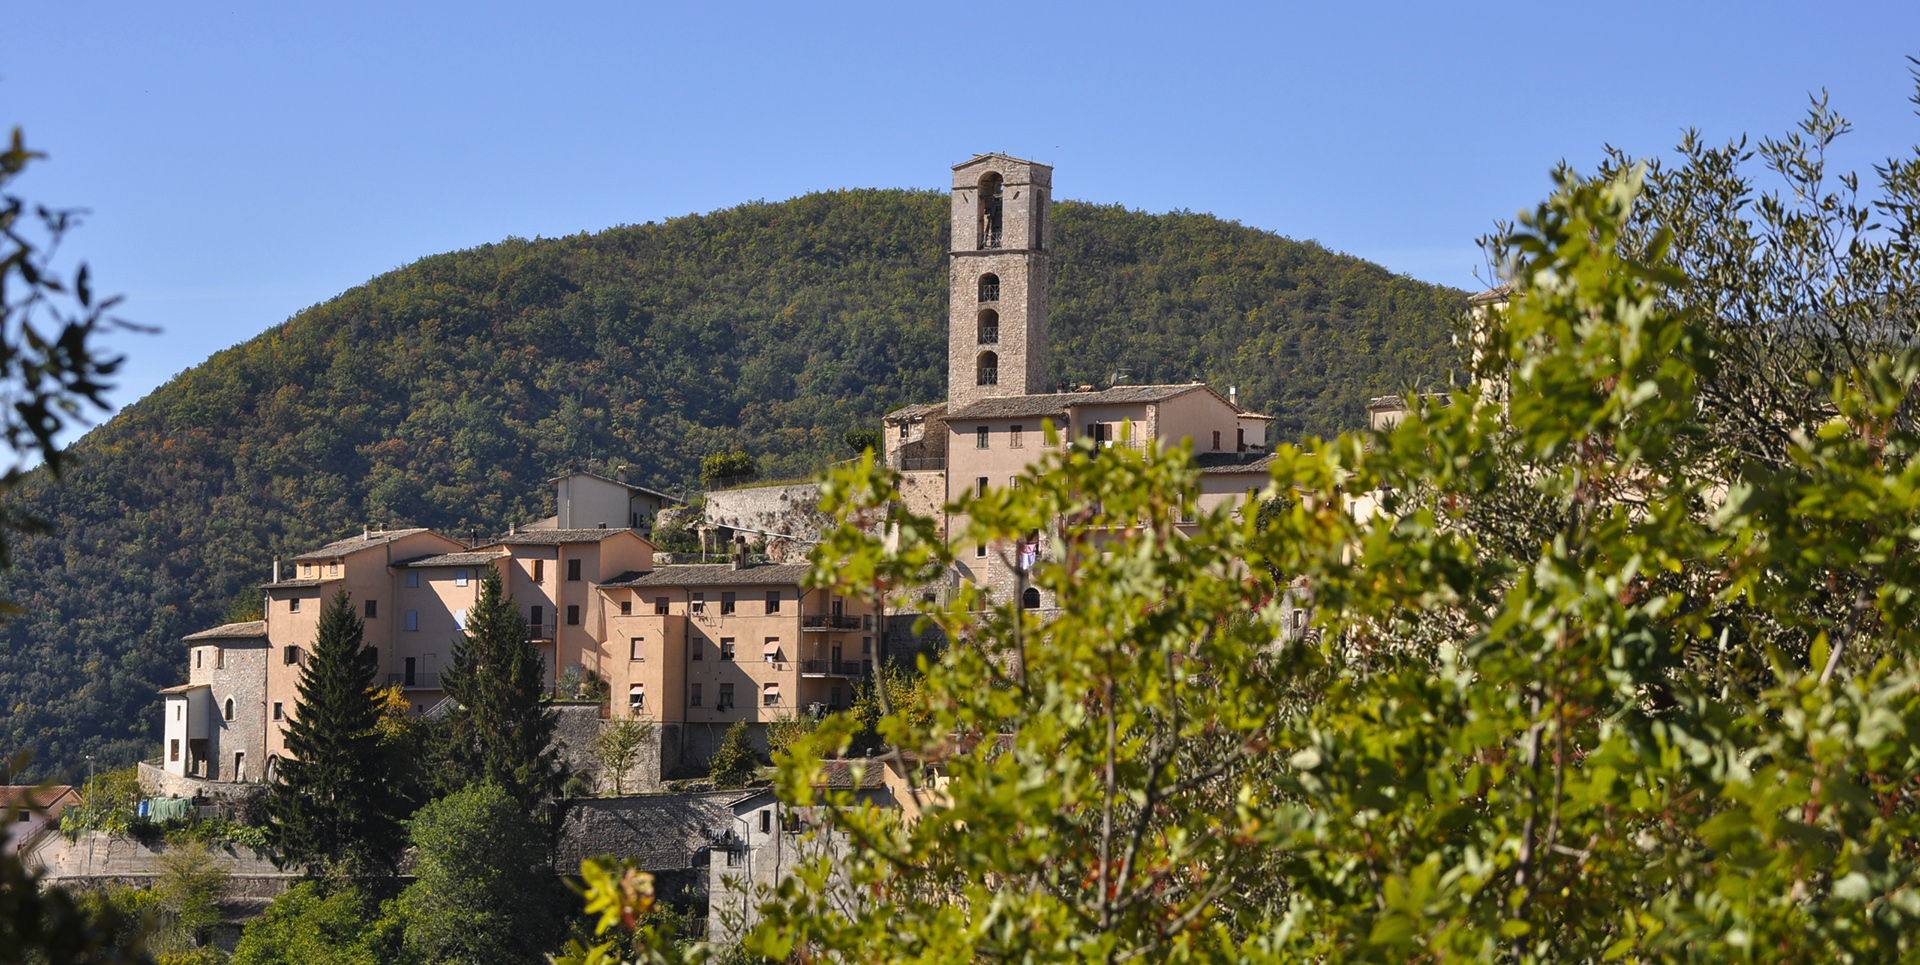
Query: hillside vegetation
point(445, 393)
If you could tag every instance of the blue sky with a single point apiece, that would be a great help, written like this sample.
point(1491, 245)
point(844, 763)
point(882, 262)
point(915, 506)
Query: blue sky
point(242, 162)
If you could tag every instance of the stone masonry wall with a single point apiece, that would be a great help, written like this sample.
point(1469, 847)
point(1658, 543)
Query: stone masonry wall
point(792, 512)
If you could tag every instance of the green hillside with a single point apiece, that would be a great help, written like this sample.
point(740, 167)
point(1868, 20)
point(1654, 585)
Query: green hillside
point(444, 393)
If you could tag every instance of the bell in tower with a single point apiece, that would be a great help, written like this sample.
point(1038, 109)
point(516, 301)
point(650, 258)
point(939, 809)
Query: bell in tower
point(997, 300)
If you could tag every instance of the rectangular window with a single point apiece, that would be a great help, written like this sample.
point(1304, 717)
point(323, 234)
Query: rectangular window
point(626, 608)
point(537, 617)
point(539, 571)
point(219, 658)
point(766, 821)
point(770, 695)
point(771, 651)
point(1240, 440)
point(413, 577)
point(199, 659)
point(660, 606)
point(1216, 439)
point(636, 697)
point(980, 437)
point(279, 711)
point(173, 750)
point(459, 619)
point(699, 603)
point(293, 605)
point(903, 430)
point(289, 655)
point(1013, 437)
point(373, 609)
point(773, 601)
point(726, 648)
point(573, 570)
point(866, 646)
point(696, 649)
point(459, 577)
point(573, 614)
point(413, 619)
point(693, 696)
point(980, 551)
point(636, 652)
point(179, 711)
point(726, 698)
point(333, 568)
point(726, 603)
point(408, 678)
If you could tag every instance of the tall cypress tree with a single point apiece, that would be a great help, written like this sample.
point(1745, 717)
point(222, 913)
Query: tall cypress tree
point(499, 682)
point(332, 806)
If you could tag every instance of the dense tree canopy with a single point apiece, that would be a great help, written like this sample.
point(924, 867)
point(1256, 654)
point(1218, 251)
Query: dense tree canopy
point(444, 393)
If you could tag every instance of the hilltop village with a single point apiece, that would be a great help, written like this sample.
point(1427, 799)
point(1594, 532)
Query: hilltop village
point(695, 647)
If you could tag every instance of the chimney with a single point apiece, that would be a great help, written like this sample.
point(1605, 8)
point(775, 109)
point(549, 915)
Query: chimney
point(1233, 395)
point(513, 528)
point(620, 475)
point(739, 555)
point(276, 569)
point(366, 532)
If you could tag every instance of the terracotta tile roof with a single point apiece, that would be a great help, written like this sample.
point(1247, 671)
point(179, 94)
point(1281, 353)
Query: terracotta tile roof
point(250, 630)
point(713, 574)
point(1055, 403)
point(452, 559)
point(183, 688)
point(555, 537)
point(838, 775)
point(298, 584)
point(354, 544)
point(51, 798)
point(1498, 293)
point(1227, 463)
point(924, 410)
point(662, 831)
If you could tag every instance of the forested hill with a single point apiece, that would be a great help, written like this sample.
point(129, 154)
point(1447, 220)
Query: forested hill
point(445, 393)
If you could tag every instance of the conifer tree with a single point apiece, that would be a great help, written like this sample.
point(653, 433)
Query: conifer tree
point(733, 764)
point(497, 678)
point(332, 808)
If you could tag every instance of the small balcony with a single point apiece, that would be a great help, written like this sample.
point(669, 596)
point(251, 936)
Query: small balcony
point(989, 291)
point(836, 668)
point(414, 681)
point(989, 335)
point(821, 622)
point(541, 632)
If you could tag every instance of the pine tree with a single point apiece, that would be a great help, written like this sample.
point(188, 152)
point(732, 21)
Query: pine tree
point(497, 678)
point(332, 808)
point(734, 762)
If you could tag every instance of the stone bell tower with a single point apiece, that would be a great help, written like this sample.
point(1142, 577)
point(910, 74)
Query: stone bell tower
point(997, 300)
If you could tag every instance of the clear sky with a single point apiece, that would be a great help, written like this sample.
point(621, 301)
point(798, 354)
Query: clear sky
point(243, 161)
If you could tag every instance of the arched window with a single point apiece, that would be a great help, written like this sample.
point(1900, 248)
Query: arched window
point(990, 190)
point(989, 372)
point(1031, 598)
point(989, 327)
point(229, 708)
point(989, 288)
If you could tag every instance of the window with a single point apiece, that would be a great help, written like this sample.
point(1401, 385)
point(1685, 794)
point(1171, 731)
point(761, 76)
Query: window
point(539, 571)
point(1299, 618)
point(636, 697)
point(289, 655)
point(660, 606)
point(903, 430)
point(770, 695)
point(726, 603)
point(227, 709)
point(626, 608)
point(988, 235)
point(573, 570)
point(179, 711)
point(766, 821)
point(980, 552)
point(413, 577)
point(239, 765)
point(726, 648)
point(866, 621)
point(698, 603)
point(636, 652)
point(333, 568)
point(866, 646)
point(987, 372)
point(413, 619)
point(1216, 439)
point(537, 616)
point(989, 288)
point(198, 660)
point(293, 605)
point(1030, 599)
point(773, 601)
point(573, 614)
point(989, 327)
point(771, 651)
point(459, 577)
point(980, 486)
point(173, 754)
point(1240, 440)
point(408, 677)
point(696, 650)
point(459, 619)
point(373, 609)
point(279, 711)
point(981, 437)
point(726, 698)
point(693, 696)
point(219, 658)
point(1013, 437)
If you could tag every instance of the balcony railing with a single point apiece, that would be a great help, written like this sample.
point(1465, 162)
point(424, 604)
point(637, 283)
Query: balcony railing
point(414, 681)
point(922, 464)
point(990, 237)
point(541, 631)
point(837, 668)
point(990, 335)
point(990, 291)
point(989, 375)
point(829, 621)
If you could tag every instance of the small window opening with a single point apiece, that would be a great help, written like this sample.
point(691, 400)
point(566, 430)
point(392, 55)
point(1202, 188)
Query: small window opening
point(988, 372)
point(991, 203)
point(1030, 599)
point(989, 288)
point(227, 711)
point(989, 327)
point(982, 437)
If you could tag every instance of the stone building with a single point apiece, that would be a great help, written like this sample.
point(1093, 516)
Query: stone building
point(216, 724)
